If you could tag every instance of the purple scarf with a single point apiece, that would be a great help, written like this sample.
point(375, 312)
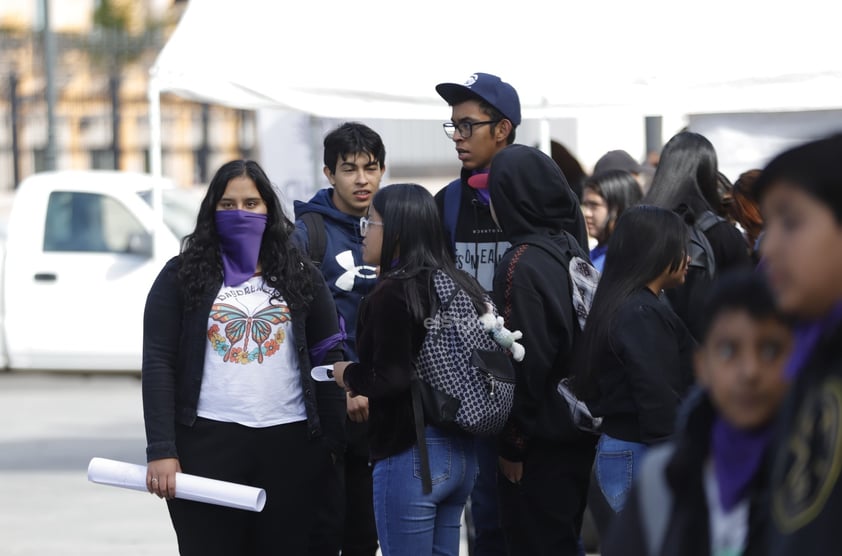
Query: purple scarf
point(737, 455)
point(240, 235)
point(807, 335)
point(318, 352)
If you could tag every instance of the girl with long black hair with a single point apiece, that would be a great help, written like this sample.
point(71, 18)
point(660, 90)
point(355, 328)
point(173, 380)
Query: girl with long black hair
point(403, 235)
point(635, 351)
point(686, 181)
point(231, 329)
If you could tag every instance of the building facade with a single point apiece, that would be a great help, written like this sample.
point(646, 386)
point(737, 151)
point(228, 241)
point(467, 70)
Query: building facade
point(103, 52)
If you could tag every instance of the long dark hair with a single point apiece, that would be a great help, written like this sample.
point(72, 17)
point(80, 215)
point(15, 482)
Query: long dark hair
point(414, 243)
point(686, 175)
point(200, 271)
point(620, 191)
point(646, 241)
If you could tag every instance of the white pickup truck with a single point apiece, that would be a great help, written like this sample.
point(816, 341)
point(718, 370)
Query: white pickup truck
point(82, 249)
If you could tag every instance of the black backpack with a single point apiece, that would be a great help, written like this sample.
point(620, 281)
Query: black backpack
point(700, 249)
point(316, 236)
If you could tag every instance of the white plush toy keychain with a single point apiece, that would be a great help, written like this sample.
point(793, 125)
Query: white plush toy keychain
point(503, 336)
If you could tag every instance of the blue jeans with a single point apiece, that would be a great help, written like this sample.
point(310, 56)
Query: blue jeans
point(617, 464)
point(412, 523)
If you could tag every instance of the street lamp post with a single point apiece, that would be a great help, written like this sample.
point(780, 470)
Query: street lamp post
point(49, 64)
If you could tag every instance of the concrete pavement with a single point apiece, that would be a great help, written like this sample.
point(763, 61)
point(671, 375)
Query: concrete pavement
point(52, 425)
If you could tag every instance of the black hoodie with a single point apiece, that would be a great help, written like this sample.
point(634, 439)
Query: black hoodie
point(534, 205)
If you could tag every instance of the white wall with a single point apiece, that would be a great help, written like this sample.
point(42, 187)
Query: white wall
point(746, 141)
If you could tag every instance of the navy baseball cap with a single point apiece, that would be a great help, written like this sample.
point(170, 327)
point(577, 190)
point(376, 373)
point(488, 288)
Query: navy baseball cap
point(487, 87)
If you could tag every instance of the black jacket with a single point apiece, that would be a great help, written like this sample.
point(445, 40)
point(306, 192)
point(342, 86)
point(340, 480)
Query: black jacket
point(388, 340)
point(534, 204)
point(646, 372)
point(688, 532)
point(806, 486)
point(174, 357)
point(478, 244)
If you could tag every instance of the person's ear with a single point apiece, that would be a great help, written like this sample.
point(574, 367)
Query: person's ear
point(329, 175)
point(502, 129)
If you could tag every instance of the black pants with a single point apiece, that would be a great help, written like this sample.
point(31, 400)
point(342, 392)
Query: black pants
point(345, 513)
point(360, 535)
point(485, 517)
point(280, 459)
point(543, 514)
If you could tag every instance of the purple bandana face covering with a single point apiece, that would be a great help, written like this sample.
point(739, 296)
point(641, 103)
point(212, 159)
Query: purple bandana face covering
point(240, 235)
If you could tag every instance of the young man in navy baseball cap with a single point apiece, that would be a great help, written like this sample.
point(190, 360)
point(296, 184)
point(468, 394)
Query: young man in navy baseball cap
point(485, 113)
point(485, 110)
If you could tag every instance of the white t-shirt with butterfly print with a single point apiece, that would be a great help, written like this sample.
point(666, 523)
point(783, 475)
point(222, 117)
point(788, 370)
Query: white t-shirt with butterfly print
point(251, 374)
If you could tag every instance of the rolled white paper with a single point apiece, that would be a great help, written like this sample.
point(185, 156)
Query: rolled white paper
point(322, 373)
point(188, 487)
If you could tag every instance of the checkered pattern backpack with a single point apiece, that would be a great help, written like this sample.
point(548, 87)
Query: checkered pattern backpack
point(465, 380)
point(460, 359)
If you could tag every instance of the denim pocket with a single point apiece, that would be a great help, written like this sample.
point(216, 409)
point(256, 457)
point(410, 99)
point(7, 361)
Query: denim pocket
point(614, 475)
point(440, 451)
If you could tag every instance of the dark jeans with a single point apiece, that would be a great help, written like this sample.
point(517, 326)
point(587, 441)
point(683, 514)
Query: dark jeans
point(345, 512)
point(280, 459)
point(542, 515)
point(488, 535)
point(360, 537)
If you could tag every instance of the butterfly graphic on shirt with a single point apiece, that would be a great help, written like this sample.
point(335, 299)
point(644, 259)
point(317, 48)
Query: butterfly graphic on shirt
point(240, 325)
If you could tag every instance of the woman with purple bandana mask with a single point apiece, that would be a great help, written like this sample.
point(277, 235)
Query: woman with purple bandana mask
point(232, 327)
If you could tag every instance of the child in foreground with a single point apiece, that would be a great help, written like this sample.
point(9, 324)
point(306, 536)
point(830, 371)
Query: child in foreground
point(707, 491)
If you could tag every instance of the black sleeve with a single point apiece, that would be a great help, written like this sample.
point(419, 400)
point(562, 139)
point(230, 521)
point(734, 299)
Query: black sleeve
point(162, 321)
point(322, 317)
point(386, 345)
point(650, 351)
point(322, 322)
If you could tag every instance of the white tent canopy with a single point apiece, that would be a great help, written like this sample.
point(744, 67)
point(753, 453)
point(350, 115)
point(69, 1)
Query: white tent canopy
point(382, 58)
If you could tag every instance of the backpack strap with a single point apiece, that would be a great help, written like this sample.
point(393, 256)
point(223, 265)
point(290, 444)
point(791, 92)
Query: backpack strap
point(654, 497)
point(700, 249)
point(582, 277)
point(452, 200)
point(420, 437)
point(316, 236)
point(708, 220)
point(446, 290)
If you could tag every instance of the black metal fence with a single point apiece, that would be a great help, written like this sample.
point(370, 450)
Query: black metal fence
point(101, 110)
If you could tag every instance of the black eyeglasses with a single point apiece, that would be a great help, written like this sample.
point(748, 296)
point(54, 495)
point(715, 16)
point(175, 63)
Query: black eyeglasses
point(465, 129)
